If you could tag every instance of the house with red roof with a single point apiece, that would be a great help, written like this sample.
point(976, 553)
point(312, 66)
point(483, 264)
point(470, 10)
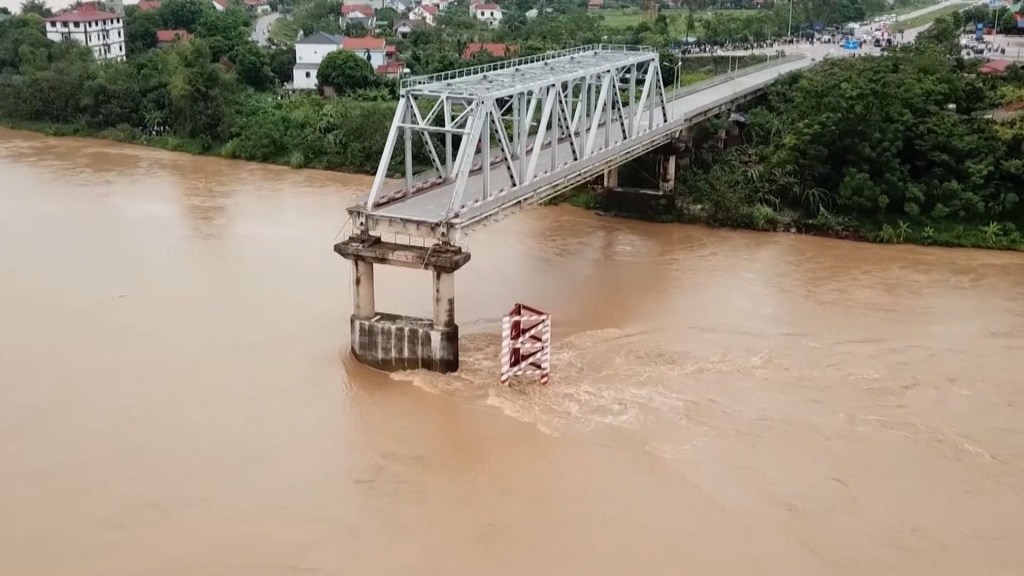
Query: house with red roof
point(148, 5)
point(994, 67)
point(358, 14)
point(489, 13)
point(424, 12)
point(374, 50)
point(393, 69)
point(101, 31)
point(165, 38)
point(495, 49)
point(221, 5)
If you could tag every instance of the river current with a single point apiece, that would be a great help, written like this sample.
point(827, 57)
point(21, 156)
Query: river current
point(176, 395)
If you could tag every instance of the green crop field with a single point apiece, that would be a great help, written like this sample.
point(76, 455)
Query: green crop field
point(284, 30)
point(623, 17)
point(931, 16)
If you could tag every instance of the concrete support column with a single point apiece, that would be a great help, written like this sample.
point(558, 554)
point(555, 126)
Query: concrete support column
point(668, 173)
point(362, 290)
point(611, 177)
point(444, 299)
point(721, 138)
point(392, 341)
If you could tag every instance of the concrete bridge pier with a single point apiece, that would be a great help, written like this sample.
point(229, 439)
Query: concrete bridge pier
point(611, 177)
point(667, 180)
point(394, 342)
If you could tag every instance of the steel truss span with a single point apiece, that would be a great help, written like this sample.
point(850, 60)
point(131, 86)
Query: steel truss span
point(535, 115)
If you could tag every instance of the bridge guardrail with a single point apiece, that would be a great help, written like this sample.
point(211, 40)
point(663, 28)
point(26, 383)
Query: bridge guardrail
point(521, 61)
point(723, 78)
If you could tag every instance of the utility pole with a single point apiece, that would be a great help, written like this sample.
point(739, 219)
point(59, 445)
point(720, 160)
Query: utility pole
point(790, 32)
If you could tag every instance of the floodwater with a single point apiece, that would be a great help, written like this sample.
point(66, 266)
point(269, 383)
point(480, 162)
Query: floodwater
point(176, 395)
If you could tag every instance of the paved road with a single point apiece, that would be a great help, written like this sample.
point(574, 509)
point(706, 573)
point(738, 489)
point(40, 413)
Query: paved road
point(261, 30)
point(820, 50)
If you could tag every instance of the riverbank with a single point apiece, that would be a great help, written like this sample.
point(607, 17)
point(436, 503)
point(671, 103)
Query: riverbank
point(676, 208)
point(122, 135)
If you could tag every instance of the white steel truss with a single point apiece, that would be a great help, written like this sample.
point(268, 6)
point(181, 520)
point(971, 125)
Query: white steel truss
point(491, 131)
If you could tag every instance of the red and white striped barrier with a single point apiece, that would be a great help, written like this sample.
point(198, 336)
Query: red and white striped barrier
point(525, 344)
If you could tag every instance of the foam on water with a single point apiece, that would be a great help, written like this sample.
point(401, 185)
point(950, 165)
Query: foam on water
point(605, 377)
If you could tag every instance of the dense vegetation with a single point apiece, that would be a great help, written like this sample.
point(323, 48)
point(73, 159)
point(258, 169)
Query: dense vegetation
point(219, 93)
point(890, 149)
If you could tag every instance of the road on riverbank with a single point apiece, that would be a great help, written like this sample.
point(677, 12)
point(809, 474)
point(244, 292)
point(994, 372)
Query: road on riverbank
point(261, 30)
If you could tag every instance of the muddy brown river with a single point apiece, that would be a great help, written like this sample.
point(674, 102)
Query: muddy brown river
point(176, 396)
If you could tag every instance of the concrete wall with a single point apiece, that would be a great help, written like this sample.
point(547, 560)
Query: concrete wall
point(313, 53)
point(304, 78)
point(391, 342)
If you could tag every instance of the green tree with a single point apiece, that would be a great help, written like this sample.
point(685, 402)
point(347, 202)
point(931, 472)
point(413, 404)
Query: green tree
point(200, 93)
point(225, 31)
point(252, 66)
point(345, 72)
point(282, 62)
point(23, 35)
point(318, 16)
point(387, 16)
point(356, 30)
point(37, 7)
point(184, 14)
point(140, 31)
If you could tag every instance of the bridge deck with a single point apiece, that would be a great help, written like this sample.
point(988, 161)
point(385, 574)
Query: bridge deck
point(430, 206)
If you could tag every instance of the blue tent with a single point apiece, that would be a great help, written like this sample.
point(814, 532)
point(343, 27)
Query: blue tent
point(851, 44)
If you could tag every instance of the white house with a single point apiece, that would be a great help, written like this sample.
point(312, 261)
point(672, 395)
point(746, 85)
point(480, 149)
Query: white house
point(101, 31)
point(221, 5)
point(358, 14)
point(309, 53)
point(405, 28)
point(424, 12)
point(439, 4)
point(490, 13)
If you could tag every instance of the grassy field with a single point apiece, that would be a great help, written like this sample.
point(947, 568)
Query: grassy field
point(931, 16)
point(284, 30)
point(623, 17)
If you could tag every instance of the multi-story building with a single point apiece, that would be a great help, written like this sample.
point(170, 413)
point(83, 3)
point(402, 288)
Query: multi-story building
point(309, 53)
point(103, 32)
